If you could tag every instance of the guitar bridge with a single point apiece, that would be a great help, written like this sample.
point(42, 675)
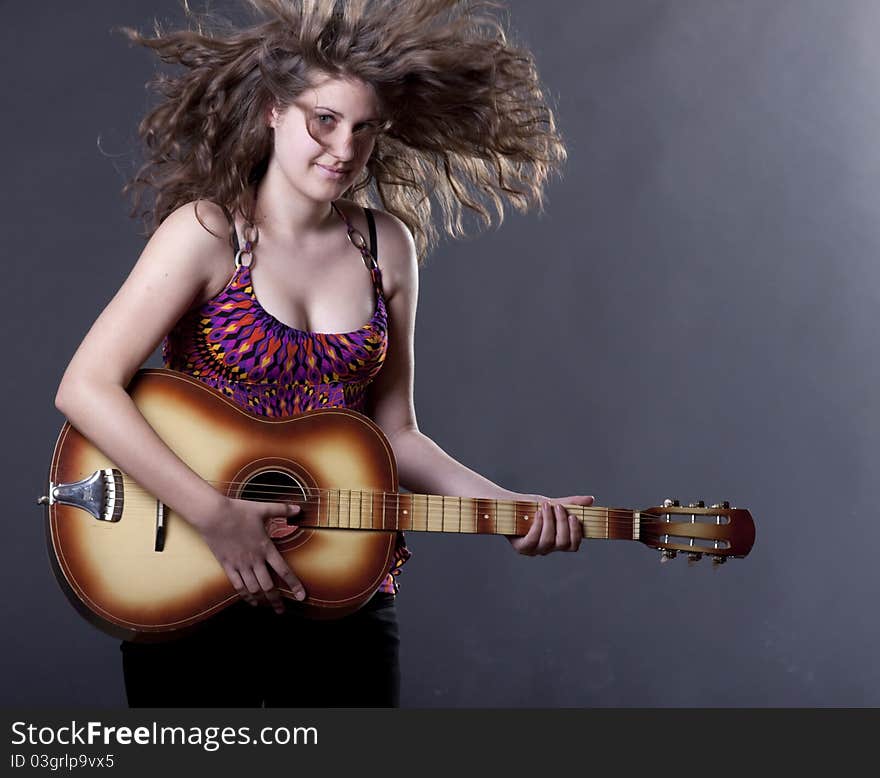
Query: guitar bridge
point(101, 494)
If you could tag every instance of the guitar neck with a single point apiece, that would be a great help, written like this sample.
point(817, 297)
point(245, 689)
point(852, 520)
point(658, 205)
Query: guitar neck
point(353, 509)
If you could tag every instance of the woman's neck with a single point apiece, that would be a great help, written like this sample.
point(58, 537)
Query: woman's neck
point(287, 213)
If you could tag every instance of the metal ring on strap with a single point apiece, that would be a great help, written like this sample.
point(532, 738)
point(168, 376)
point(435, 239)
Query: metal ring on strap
point(360, 243)
point(238, 256)
point(251, 235)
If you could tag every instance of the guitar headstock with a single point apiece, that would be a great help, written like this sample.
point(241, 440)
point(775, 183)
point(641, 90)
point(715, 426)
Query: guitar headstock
point(718, 531)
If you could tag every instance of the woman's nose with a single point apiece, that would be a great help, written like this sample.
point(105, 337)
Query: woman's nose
point(345, 149)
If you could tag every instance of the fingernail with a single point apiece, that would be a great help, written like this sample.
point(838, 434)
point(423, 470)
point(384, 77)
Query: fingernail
point(300, 594)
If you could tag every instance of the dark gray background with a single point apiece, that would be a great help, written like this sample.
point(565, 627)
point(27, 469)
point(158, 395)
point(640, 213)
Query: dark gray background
point(692, 317)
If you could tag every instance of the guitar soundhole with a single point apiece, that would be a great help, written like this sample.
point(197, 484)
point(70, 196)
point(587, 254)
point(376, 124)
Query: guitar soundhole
point(275, 486)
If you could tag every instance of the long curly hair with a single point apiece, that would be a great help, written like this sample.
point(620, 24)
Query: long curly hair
point(467, 121)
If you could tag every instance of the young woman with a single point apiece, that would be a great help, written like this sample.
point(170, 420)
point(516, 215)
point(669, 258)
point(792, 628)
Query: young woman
point(267, 154)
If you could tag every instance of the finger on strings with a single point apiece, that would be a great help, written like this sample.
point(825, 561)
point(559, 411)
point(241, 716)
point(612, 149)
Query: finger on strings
point(278, 519)
point(548, 532)
point(536, 531)
point(563, 529)
point(280, 566)
point(577, 532)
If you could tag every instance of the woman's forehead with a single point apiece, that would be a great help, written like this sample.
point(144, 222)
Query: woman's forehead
point(351, 98)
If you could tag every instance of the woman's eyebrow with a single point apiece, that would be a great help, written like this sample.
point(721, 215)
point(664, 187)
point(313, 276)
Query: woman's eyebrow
point(325, 108)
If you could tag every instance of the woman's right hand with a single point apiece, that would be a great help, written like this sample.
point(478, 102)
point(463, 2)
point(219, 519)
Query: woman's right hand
point(236, 534)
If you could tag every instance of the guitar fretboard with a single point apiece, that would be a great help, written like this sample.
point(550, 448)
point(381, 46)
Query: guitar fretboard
point(353, 509)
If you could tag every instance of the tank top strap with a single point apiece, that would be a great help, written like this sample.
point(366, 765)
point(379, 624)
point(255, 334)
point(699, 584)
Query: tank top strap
point(232, 228)
point(375, 273)
point(368, 253)
point(371, 223)
point(240, 252)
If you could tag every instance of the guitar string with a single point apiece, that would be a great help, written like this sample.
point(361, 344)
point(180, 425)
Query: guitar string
point(650, 527)
point(504, 509)
point(405, 497)
point(508, 513)
point(499, 524)
point(616, 520)
point(311, 492)
point(509, 518)
point(269, 490)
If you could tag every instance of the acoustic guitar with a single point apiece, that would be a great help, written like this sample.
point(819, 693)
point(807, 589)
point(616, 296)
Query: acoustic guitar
point(138, 571)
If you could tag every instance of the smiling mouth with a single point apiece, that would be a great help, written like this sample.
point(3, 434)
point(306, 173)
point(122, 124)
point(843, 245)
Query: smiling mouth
point(338, 171)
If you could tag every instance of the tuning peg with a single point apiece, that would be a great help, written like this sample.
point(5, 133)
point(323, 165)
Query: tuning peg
point(718, 560)
point(666, 554)
point(699, 504)
point(667, 503)
point(694, 556)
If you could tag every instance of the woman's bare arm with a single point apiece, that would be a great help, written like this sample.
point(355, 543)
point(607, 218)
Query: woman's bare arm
point(423, 466)
point(173, 271)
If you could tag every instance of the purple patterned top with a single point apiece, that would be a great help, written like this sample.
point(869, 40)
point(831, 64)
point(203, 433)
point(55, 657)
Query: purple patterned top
point(270, 369)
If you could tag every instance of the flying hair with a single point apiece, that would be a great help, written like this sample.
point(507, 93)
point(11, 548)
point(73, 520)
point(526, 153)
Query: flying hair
point(467, 124)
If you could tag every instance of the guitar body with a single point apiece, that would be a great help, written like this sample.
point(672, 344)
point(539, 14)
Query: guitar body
point(139, 582)
point(136, 570)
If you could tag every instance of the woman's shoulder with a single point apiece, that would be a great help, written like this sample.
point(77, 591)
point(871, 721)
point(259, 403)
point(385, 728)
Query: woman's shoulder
point(395, 245)
point(195, 236)
point(201, 223)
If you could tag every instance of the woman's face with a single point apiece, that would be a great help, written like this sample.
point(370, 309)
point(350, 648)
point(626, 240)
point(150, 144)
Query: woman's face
point(330, 127)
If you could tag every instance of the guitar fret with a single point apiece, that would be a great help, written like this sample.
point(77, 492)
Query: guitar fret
point(442, 511)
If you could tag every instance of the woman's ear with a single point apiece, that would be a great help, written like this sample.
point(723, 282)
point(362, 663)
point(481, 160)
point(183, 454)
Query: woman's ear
point(273, 116)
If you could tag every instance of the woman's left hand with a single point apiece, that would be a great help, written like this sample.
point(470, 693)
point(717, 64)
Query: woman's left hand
point(553, 529)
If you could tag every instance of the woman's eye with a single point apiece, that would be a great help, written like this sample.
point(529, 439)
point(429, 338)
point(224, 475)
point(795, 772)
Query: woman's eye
point(324, 116)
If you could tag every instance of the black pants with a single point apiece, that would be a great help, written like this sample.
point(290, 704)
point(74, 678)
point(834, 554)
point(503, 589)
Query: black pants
point(252, 657)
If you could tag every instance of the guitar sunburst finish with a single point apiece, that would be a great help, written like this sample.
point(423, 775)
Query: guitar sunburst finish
point(139, 571)
point(131, 590)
